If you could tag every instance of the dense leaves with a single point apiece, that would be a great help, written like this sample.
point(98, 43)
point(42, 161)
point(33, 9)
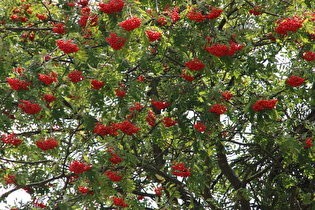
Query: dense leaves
point(157, 104)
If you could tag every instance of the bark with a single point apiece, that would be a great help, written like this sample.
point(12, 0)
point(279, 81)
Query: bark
point(230, 175)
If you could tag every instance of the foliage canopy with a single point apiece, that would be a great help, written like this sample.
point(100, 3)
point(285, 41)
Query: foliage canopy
point(158, 104)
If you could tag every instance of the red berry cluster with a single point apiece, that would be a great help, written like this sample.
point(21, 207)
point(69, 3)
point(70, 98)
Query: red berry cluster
point(9, 179)
point(309, 56)
point(96, 84)
point(222, 50)
point(289, 24)
point(141, 78)
point(11, 139)
point(200, 127)
point(39, 205)
point(150, 118)
point(186, 76)
point(180, 170)
point(19, 70)
point(115, 41)
point(48, 79)
point(264, 104)
point(137, 107)
point(88, 20)
point(120, 93)
point(158, 190)
point(120, 202)
point(162, 21)
point(234, 47)
point(59, 28)
point(29, 35)
point(195, 65)
point(75, 76)
point(214, 13)
point(130, 24)
point(49, 143)
point(67, 47)
point(48, 98)
point(140, 197)
point(84, 190)
point(41, 17)
point(312, 36)
point(295, 81)
point(226, 95)
point(169, 122)
point(308, 142)
point(78, 167)
point(152, 35)
point(256, 11)
point(29, 107)
point(198, 17)
point(19, 18)
point(83, 3)
point(29, 189)
point(115, 159)
point(24, 9)
point(173, 13)
point(218, 50)
point(112, 6)
point(218, 109)
point(85, 11)
point(159, 104)
point(128, 128)
point(113, 176)
point(17, 84)
point(106, 130)
point(311, 16)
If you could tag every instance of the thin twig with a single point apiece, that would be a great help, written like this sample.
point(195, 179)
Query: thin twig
point(24, 29)
point(27, 162)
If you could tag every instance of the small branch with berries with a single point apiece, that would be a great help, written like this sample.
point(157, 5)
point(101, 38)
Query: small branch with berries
point(6, 194)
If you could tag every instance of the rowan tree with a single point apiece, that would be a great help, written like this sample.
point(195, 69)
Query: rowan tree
point(158, 104)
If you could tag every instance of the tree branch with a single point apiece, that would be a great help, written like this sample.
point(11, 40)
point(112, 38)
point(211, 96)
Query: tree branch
point(24, 29)
point(232, 10)
point(6, 194)
point(26, 162)
point(230, 174)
